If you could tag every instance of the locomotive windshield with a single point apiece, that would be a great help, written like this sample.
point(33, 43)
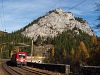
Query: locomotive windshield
point(21, 55)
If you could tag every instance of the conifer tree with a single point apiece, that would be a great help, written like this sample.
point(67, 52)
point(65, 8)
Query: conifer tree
point(64, 53)
point(98, 18)
point(52, 52)
point(94, 39)
point(78, 53)
point(82, 53)
point(72, 52)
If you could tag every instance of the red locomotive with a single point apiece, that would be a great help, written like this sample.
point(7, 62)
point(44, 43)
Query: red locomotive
point(19, 58)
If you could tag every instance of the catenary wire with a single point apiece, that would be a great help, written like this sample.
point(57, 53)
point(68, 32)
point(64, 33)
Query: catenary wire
point(77, 5)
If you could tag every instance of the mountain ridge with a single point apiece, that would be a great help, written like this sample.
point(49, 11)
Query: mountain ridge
point(55, 22)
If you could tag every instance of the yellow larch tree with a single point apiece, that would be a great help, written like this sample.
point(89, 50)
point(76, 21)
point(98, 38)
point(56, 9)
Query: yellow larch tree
point(84, 49)
point(94, 39)
point(72, 52)
point(78, 53)
point(82, 52)
point(64, 53)
point(52, 52)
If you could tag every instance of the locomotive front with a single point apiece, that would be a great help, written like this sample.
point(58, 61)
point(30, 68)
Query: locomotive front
point(21, 58)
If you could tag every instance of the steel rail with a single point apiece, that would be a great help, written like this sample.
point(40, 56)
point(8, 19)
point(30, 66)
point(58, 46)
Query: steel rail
point(39, 71)
point(10, 71)
point(26, 70)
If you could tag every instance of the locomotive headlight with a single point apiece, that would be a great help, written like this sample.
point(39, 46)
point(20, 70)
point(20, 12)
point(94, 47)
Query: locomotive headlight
point(21, 60)
point(16, 59)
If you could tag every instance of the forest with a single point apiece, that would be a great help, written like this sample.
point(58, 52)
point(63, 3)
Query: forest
point(68, 47)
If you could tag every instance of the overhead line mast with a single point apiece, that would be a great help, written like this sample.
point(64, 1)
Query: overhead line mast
point(2, 15)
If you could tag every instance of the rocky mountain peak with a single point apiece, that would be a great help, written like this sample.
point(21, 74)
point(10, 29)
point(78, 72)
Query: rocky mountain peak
point(58, 10)
point(55, 22)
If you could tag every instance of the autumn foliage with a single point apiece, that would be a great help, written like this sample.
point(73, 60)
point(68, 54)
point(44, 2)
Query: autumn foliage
point(82, 53)
point(69, 47)
point(52, 52)
point(64, 53)
point(72, 52)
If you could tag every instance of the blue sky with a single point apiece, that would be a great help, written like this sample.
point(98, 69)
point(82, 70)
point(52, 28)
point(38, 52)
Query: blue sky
point(15, 14)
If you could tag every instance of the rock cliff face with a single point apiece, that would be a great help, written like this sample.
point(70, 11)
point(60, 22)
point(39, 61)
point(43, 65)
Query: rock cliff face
point(55, 22)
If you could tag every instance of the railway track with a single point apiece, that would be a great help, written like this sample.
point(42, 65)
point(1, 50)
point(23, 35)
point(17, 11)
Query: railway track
point(39, 71)
point(26, 70)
